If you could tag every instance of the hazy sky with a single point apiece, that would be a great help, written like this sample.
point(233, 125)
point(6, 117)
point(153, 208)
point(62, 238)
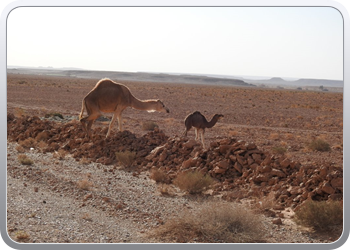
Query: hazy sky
point(300, 42)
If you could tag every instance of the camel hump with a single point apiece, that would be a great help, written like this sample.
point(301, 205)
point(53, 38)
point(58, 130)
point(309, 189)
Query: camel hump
point(196, 113)
point(105, 83)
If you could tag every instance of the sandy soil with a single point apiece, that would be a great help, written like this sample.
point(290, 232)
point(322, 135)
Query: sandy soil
point(270, 118)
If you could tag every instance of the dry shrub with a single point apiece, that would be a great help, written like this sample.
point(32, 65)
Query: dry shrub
point(274, 136)
point(42, 136)
point(193, 182)
point(214, 222)
point(28, 143)
point(126, 158)
point(53, 115)
point(266, 202)
point(233, 133)
point(22, 235)
point(85, 161)
point(20, 149)
point(25, 160)
point(320, 215)
point(86, 217)
point(84, 184)
point(166, 190)
point(289, 136)
point(169, 121)
point(149, 125)
point(279, 150)
point(60, 154)
point(19, 112)
point(319, 145)
point(159, 176)
point(41, 145)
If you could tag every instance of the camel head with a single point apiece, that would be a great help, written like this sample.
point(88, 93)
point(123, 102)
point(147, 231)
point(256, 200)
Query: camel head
point(160, 107)
point(218, 116)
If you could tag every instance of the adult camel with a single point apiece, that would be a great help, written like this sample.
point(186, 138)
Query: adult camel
point(111, 97)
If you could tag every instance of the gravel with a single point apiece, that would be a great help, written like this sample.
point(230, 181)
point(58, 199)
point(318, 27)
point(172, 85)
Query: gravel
point(45, 202)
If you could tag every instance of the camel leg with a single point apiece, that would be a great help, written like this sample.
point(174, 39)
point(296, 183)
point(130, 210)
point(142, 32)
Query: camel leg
point(120, 122)
point(84, 125)
point(89, 119)
point(117, 115)
point(185, 132)
point(196, 132)
point(88, 127)
point(111, 124)
point(202, 138)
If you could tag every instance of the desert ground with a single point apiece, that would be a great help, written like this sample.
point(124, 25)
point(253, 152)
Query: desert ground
point(46, 202)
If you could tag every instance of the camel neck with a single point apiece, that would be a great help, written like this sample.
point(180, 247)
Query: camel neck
point(211, 123)
point(148, 105)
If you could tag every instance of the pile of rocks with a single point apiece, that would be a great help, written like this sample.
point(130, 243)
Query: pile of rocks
point(240, 168)
point(71, 138)
point(245, 170)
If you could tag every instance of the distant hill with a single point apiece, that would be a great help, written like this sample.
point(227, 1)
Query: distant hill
point(208, 79)
point(133, 76)
point(299, 83)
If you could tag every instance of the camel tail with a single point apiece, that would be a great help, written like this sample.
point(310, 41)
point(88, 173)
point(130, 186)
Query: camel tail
point(82, 110)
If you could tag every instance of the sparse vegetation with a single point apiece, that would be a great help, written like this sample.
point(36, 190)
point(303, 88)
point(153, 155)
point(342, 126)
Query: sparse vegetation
point(319, 145)
point(126, 158)
point(25, 160)
point(86, 216)
point(320, 215)
point(159, 176)
point(149, 125)
point(42, 136)
point(166, 190)
point(136, 199)
point(60, 154)
point(213, 222)
point(193, 182)
point(279, 150)
point(85, 160)
point(22, 235)
point(28, 143)
point(20, 149)
point(84, 184)
point(266, 202)
point(19, 112)
point(53, 115)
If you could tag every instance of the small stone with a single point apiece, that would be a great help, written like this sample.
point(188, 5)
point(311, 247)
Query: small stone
point(277, 221)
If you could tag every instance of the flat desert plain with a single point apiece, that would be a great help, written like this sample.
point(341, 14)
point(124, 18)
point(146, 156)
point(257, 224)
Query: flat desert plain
point(76, 191)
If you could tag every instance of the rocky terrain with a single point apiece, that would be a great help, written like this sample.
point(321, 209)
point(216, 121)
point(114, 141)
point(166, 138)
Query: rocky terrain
point(262, 147)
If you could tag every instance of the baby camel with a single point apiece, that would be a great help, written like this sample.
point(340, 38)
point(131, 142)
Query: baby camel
point(111, 97)
point(198, 121)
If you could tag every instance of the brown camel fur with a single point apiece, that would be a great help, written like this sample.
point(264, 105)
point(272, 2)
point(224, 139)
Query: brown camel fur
point(111, 97)
point(198, 121)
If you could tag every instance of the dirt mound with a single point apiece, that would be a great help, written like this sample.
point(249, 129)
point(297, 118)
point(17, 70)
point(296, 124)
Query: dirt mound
point(245, 171)
point(241, 168)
